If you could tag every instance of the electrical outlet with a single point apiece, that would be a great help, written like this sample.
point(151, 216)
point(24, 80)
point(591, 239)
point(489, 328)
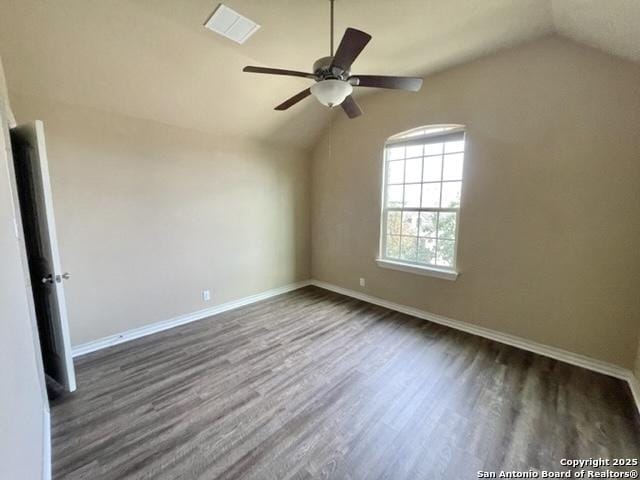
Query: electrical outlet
point(206, 295)
point(363, 283)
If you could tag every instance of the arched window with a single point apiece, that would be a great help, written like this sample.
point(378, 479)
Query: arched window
point(421, 200)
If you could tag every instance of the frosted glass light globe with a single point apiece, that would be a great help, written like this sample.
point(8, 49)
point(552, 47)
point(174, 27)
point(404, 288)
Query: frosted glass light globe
point(331, 92)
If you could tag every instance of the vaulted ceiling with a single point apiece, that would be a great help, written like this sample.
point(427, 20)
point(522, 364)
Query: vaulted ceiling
point(153, 59)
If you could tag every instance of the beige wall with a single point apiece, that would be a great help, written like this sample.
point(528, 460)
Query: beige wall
point(150, 215)
point(23, 401)
point(550, 218)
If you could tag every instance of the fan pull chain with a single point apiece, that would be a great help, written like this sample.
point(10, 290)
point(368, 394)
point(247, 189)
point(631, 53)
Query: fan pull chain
point(330, 133)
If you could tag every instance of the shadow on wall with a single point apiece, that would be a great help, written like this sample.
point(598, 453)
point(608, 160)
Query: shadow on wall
point(24, 410)
point(314, 116)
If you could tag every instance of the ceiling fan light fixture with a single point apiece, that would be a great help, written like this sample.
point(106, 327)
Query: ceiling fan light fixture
point(331, 93)
point(333, 75)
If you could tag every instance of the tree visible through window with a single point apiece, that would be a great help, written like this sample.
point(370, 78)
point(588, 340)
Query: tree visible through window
point(421, 198)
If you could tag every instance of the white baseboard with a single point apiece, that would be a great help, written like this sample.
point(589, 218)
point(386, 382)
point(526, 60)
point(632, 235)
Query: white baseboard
point(519, 342)
point(156, 327)
point(46, 444)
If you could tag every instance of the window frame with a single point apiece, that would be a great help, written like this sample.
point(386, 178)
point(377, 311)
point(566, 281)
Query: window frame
point(439, 133)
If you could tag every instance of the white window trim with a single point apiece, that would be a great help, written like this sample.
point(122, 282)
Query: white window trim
point(419, 269)
point(404, 265)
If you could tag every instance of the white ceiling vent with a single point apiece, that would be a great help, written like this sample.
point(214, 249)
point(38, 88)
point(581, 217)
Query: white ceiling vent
point(231, 24)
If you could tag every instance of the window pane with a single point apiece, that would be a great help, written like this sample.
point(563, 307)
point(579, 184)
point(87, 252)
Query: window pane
point(412, 196)
point(394, 195)
point(408, 248)
point(430, 195)
point(447, 225)
point(432, 168)
point(393, 222)
point(414, 151)
point(395, 171)
point(445, 253)
point(413, 172)
point(428, 224)
point(410, 224)
point(425, 182)
point(433, 149)
point(451, 147)
point(453, 166)
point(426, 251)
point(393, 246)
point(395, 153)
point(451, 194)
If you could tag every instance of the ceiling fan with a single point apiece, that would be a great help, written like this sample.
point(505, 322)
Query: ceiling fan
point(332, 74)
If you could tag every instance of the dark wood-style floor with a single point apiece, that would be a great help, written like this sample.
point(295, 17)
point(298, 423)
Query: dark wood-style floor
point(312, 384)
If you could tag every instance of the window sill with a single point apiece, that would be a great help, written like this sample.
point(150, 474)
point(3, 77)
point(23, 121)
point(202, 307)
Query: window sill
point(451, 275)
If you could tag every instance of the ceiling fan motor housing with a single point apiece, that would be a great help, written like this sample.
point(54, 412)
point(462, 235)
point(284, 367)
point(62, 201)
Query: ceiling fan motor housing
point(323, 70)
point(332, 75)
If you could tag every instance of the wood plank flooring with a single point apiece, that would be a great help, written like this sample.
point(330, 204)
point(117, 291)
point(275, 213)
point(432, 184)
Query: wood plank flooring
point(312, 384)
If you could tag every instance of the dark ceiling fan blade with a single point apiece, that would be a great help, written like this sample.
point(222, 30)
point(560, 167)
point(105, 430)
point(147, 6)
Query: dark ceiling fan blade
point(293, 100)
point(278, 71)
point(352, 43)
point(412, 84)
point(351, 108)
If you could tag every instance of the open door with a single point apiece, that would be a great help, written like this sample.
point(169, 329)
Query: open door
point(38, 223)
